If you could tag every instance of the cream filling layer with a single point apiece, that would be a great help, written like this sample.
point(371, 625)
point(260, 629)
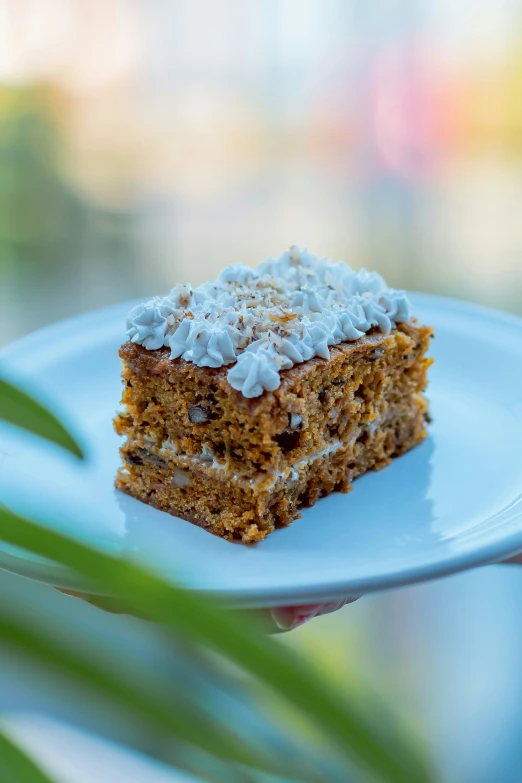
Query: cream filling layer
point(291, 472)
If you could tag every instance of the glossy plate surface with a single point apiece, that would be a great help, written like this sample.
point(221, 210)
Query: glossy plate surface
point(453, 503)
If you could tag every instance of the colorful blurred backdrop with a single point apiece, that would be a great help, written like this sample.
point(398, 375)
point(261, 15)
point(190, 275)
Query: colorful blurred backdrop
point(149, 142)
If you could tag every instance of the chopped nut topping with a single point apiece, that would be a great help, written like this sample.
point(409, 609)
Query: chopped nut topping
point(180, 478)
point(139, 456)
point(198, 414)
point(296, 421)
point(282, 315)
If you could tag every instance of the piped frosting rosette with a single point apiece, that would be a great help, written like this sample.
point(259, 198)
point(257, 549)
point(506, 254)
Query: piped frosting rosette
point(262, 321)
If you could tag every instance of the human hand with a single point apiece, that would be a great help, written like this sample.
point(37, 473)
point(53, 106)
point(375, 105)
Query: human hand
point(284, 618)
point(287, 618)
point(516, 560)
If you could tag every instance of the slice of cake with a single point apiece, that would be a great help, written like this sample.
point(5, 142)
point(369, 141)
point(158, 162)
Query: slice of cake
point(255, 395)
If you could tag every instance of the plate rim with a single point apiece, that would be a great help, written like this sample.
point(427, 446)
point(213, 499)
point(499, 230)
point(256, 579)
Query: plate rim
point(482, 553)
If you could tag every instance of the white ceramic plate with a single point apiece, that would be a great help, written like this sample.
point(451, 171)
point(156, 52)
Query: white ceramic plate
point(450, 504)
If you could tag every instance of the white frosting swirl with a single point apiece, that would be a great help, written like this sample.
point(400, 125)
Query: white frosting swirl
point(267, 319)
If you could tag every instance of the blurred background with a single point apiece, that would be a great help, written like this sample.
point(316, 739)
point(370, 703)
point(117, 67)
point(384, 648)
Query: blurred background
point(149, 142)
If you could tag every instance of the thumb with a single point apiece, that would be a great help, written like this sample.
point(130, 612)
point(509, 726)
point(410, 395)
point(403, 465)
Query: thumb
point(289, 617)
point(516, 560)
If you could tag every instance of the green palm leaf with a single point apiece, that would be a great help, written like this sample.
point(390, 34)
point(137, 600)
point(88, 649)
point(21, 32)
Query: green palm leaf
point(188, 615)
point(16, 766)
point(18, 408)
point(172, 716)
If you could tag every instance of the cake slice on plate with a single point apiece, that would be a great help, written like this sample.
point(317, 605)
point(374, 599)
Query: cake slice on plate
point(255, 395)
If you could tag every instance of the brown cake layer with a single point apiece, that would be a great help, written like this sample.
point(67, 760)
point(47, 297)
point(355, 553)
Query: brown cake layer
point(240, 467)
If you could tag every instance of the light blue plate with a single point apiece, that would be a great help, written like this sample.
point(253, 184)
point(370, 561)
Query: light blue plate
point(451, 504)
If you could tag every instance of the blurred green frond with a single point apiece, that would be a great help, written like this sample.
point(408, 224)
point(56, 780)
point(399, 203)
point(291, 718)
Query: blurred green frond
point(16, 766)
point(170, 714)
point(18, 408)
point(194, 618)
